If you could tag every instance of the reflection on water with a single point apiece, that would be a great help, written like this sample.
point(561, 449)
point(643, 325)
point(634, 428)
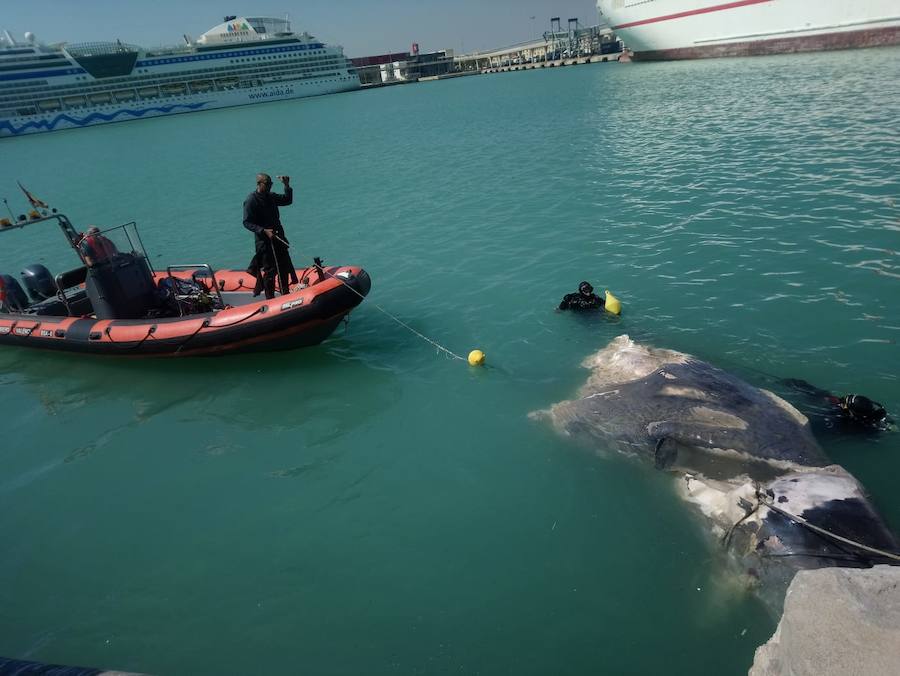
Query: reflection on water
point(301, 395)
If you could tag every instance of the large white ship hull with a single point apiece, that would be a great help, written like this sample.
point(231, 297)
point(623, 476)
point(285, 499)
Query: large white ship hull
point(158, 106)
point(690, 29)
point(239, 62)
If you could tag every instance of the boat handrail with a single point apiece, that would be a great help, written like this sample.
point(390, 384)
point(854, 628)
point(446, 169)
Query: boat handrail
point(199, 266)
point(67, 280)
point(61, 219)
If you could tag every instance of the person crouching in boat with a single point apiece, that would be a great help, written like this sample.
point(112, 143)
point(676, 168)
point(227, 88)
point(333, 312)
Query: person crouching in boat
point(261, 217)
point(585, 299)
point(96, 248)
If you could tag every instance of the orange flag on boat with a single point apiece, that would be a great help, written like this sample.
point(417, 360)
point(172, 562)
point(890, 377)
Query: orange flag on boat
point(35, 202)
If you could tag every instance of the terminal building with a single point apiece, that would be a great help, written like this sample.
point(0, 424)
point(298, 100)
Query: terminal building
point(400, 67)
point(558, 46)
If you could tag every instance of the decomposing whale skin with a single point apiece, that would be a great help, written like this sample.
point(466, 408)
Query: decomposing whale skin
point(744, 458)
point(657, 403)
point(766, 547)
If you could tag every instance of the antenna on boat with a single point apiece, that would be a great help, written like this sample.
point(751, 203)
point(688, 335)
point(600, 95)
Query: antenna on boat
point(9, 38)
point(9, 210)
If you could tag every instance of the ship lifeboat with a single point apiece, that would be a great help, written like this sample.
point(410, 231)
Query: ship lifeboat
point(100, 98)
point(49, 104)
point(200, 86)
point(227, 83)
point(175, 89)
point(74, 101)
point(124, 95)
point(115, 304)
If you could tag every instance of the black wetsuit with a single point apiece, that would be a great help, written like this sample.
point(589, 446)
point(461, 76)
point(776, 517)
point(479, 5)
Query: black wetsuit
point(254, 269)
point(826, 415)
point(579, 301)
point(272, 257)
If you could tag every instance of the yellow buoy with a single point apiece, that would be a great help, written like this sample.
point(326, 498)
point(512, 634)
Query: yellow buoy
point(476, 358)
point(612, 303)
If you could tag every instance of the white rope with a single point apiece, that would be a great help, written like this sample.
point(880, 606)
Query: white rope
point(277, 267)
point(423, 337)
point(400, 322)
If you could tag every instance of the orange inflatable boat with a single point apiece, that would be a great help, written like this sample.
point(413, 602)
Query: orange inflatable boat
point(115, 304)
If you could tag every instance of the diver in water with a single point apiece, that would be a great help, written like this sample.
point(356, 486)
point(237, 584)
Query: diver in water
point(847, 413)
point(585, 299)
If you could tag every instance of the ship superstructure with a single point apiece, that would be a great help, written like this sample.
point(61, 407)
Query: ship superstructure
point(689, 29)
point(241, 61)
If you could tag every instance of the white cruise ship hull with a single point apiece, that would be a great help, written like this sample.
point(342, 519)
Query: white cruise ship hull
point(691, 29)
point(242, 61)
point(144, 105)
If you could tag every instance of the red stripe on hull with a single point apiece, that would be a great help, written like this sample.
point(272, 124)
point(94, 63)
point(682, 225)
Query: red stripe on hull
point(691, 12)
point(877, 37)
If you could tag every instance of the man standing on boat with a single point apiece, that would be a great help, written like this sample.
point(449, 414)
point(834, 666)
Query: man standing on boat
point(262, 219)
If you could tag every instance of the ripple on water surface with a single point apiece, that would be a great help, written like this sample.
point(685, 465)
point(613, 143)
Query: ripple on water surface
point(368, 506)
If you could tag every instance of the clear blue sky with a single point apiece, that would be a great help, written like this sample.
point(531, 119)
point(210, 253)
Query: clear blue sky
point(363, 27)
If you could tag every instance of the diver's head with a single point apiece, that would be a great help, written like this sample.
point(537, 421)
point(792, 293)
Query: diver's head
point(863, 410)
point(585, 289)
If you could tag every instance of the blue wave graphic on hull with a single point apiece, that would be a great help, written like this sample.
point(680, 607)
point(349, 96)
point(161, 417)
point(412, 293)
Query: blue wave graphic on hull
point(94, 117)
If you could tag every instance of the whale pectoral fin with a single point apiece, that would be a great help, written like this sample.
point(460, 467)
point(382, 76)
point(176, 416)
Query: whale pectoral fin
point(665, 454)
point(689, 445)
point(669, 437)
point(694, 435)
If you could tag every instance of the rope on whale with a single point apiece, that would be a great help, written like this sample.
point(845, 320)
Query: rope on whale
point(760, 496)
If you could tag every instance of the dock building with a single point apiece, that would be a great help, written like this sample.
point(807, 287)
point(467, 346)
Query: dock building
point(555, 47)
point(558, 46)
point(401, 67)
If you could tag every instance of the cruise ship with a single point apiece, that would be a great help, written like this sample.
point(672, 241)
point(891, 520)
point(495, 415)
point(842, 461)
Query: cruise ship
point(691, 29)
point(242, 61)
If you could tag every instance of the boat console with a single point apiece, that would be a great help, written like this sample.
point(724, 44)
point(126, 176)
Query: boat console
point(111, 283)
point(121, 287)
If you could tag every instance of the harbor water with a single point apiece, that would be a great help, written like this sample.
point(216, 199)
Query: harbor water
point(370, 506)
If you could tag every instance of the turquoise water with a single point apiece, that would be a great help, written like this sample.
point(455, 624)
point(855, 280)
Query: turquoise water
point(370, 506)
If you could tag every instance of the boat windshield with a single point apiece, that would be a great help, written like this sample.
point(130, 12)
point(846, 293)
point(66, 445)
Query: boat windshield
point(94, 243)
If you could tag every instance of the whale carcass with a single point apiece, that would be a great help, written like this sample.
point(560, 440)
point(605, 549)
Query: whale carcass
point(744, 458)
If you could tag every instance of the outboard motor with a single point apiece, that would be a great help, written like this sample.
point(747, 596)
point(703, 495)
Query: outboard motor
point(39, 282)
point(122, 287)
point(14, 298)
